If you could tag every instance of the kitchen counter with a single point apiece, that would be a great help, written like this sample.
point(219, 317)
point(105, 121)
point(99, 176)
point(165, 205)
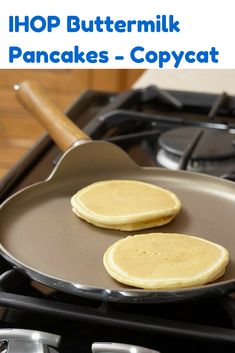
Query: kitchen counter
point(209, 81)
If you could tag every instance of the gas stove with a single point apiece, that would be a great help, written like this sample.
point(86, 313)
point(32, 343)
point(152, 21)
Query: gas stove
point(169, 129)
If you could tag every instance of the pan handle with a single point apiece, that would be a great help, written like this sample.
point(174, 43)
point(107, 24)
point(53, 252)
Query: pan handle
point(61, 129)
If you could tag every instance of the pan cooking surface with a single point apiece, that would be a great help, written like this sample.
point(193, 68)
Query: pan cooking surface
point(39, 230)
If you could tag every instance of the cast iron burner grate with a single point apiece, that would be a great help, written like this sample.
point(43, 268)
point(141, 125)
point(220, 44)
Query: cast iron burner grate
point(157, 130)
point(136, 121)
point(24, 300)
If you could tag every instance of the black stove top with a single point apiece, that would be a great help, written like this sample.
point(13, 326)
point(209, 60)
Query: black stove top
point(187, 130)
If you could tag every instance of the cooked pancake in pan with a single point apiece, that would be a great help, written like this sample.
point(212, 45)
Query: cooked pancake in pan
point(125, 205)
point(165, 261)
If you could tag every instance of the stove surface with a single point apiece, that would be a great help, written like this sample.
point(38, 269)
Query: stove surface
point(154, 127)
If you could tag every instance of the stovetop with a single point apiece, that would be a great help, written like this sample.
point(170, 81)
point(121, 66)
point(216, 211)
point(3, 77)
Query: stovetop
point(141, 122)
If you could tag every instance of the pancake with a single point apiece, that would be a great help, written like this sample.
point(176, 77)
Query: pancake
point(125, 205)
point(165, 261)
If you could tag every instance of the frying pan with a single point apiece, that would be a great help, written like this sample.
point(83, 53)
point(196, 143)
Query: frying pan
point(41, 236)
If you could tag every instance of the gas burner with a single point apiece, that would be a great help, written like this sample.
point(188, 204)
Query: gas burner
point(213, 152)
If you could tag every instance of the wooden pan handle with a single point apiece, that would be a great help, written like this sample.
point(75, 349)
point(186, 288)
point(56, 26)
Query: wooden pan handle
point(61, 129)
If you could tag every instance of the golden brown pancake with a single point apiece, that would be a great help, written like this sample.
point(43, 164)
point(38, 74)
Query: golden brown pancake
point(125, 205)
point(165, 261)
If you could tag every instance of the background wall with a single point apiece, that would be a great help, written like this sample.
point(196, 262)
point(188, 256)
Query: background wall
point(19, 130)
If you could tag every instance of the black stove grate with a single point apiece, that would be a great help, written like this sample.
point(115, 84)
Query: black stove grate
point(197, 320)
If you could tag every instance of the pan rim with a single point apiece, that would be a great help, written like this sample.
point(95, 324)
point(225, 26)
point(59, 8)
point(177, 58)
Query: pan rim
point(129, 295)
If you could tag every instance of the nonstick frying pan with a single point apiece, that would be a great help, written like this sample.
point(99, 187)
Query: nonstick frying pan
point(42, 237)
